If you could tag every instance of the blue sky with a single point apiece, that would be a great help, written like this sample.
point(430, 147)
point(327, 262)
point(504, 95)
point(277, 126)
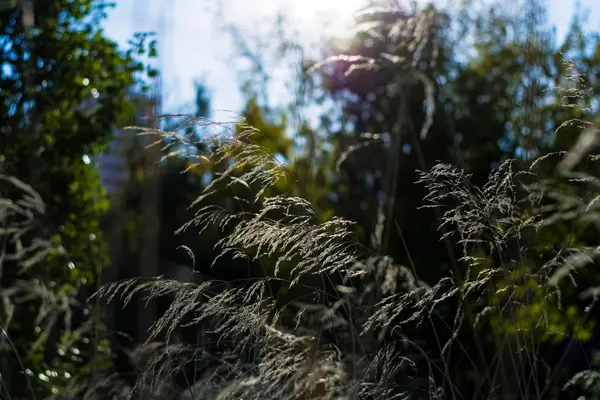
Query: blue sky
point(193, 46)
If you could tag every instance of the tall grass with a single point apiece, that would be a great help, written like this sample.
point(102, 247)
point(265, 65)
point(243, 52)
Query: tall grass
point(493, 315)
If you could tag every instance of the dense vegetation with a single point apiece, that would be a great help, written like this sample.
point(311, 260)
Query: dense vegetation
point(433, 236)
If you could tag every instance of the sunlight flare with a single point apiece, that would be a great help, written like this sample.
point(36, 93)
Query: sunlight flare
point(332, 18)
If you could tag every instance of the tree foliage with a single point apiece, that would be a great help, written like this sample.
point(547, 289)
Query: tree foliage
point(63, 92)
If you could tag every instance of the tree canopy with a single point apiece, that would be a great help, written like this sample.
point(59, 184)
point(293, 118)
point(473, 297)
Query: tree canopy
point(63, 91)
